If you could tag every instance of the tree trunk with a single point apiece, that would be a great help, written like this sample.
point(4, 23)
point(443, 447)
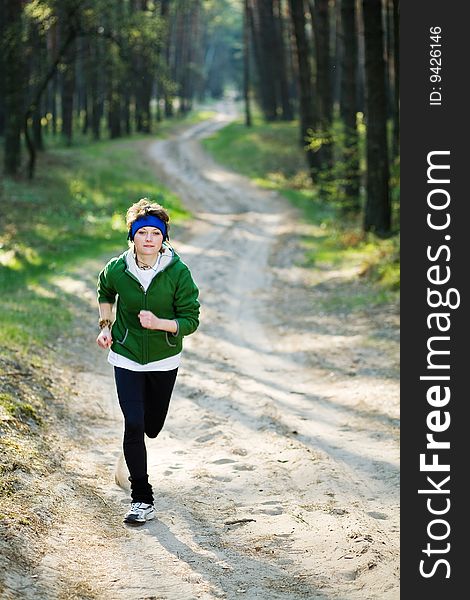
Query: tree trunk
point(86, 112)
point(170, 28)
point(165, 59)
point(246, 64)
point(53, 84)
point(54, 111)
point(114, 111)
point(95, 85)
point(396, 70)
point(307, 111)
point(321, 27)
point(2, 66)
point(125, 83)
point(254, 39)
point(377, 216)
point(287, 113)
point(263, 36)
point(348, 106)
point(115, 17)
point(37, 129)
point(185, 51)
point(337, 60)
point(67, 95)
point(360, 84)
point(37, 62)
point(14, 84)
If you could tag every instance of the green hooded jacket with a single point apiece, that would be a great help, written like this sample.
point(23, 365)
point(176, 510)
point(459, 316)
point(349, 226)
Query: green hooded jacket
point(172, 294)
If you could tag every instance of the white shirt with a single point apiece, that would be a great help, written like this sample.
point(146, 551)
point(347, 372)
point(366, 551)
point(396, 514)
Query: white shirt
point(145, 277)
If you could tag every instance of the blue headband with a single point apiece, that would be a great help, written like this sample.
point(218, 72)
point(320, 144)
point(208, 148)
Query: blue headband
point(147, 221)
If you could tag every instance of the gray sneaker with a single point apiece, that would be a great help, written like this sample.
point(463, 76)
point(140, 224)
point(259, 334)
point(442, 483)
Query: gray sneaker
point(139, 512)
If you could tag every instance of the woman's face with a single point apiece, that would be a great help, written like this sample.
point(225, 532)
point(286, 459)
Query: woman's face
point(148, 240)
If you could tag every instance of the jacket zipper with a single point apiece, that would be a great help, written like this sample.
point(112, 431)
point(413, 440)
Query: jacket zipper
point(145, 344)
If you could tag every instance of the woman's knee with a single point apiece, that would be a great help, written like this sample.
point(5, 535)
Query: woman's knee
point(133, 429)
point(153, 430)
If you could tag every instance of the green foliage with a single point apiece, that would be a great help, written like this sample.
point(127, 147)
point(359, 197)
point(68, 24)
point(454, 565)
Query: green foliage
point(382, 263)
point(333, 180)
point(336, 243)
point(41, 14)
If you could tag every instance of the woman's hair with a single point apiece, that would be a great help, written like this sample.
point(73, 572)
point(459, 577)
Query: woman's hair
point(144, 207)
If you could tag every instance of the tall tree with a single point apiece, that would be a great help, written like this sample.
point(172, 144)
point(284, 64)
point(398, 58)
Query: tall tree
point(360, 58)
point(52, 85)
point(125, 85)
point(114, 69)
point(144, 66)
point(287, 110)
point(265, 32)
point(246, 63)
point(308, 119)
point(94, 66)
point(36, 59)
point(14, 83)
point(321, 26)
point(396, 70)
point(67, 91)
point(170, 28)
point(377, 217)
point(2, 66)
point(70, 17)
point(348, 106)
point(189, 72)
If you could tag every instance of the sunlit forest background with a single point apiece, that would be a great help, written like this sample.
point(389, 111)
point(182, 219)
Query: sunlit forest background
point(322, 72)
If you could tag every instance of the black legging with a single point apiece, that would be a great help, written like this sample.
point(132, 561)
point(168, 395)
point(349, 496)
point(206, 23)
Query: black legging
point(144, 397)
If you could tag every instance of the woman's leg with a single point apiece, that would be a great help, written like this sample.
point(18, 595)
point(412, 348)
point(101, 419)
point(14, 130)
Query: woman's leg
point(159, 388)
point(131, 389)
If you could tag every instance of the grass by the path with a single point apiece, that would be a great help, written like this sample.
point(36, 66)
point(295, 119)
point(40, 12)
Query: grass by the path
point(271, 156)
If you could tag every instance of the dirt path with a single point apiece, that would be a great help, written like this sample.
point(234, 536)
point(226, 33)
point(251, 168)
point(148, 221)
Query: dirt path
point(284, 418)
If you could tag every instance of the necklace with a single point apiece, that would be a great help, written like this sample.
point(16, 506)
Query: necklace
point(145, 266)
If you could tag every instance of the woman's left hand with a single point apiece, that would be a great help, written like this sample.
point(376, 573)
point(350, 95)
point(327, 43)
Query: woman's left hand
point(148, 320)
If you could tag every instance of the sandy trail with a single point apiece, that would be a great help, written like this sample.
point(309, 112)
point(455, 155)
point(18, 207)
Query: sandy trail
point(284, 418)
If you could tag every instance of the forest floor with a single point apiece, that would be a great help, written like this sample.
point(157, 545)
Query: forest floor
point(277, 473)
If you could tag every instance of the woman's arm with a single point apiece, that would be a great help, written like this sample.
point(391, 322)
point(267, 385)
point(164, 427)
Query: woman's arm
point(106, 311)
point(104, 339)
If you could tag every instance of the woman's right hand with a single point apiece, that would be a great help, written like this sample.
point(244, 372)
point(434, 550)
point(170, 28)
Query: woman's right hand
point(104, 340)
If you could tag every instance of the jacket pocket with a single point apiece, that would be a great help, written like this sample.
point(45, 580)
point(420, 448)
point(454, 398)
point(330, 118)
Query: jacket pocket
point(124, 338)
point(168, 340)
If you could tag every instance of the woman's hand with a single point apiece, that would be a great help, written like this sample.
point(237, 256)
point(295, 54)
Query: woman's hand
point(148, 320)
point(104, 340)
